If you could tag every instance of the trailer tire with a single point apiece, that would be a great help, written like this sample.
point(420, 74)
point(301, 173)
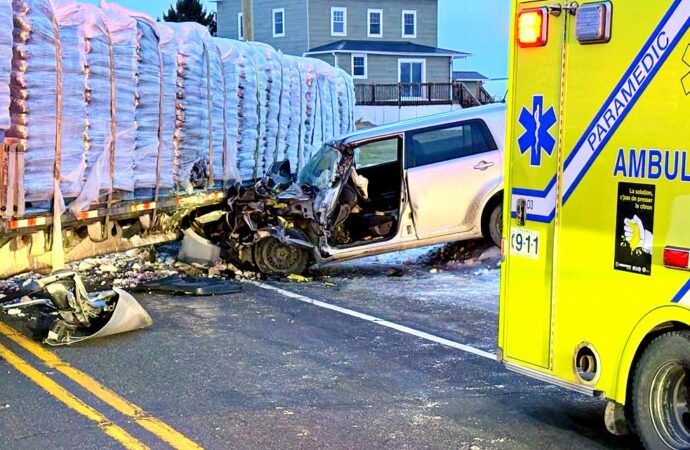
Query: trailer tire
point(660, 398)
point(275, 258)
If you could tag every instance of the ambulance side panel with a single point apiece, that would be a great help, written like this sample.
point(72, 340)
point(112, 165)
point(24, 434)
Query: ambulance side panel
point(622, 207)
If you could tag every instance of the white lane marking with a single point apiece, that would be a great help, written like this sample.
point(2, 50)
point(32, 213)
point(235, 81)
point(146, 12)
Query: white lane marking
point(376, 320)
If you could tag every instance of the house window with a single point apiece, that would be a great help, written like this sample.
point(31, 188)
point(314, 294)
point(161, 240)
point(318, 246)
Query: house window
point(412, 74)
point(375, 25)
point(338, 21)
point(409, 24)
point(359, 66)
point(240, 26)
point(279, 22)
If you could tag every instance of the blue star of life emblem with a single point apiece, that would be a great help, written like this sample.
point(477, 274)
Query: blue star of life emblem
point(537, 124)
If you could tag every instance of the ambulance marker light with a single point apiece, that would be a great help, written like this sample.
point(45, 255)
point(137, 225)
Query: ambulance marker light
point(532, 27)
point(677, 258)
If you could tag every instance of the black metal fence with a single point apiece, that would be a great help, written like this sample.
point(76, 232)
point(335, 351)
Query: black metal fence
point(406, 94)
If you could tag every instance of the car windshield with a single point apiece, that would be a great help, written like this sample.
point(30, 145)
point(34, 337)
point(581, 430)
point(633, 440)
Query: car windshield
point(320, 170)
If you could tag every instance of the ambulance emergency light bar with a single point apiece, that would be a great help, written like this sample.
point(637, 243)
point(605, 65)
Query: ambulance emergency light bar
point(533, 27)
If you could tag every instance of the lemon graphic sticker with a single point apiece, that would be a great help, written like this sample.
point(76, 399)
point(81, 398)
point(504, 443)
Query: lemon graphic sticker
point(634, 228)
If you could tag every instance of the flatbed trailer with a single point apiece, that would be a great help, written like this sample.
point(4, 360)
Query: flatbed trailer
point(27, 235)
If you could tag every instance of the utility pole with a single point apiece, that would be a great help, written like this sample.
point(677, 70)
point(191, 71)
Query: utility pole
point(248, 19)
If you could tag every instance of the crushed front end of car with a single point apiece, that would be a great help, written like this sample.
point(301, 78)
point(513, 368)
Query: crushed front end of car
point(278, 224)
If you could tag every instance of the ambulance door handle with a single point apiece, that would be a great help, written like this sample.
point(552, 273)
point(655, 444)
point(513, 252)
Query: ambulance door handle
point(483, 165)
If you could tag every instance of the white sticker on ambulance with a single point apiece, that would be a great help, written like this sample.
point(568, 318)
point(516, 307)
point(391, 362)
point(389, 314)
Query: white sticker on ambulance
point(525, 243)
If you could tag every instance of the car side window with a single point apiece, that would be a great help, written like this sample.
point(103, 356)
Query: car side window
point(448, 142)
point(376, 153)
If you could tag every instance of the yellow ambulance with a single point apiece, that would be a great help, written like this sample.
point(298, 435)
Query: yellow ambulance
point(595, 291)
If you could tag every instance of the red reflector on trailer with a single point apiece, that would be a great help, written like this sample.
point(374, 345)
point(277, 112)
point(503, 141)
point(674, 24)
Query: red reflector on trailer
point(677, 258)
point(532, 28)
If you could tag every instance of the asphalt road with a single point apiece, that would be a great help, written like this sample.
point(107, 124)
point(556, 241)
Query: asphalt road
point(264, 370)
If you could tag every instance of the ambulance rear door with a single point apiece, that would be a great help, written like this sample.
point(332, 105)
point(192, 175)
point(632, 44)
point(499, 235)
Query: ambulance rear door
point(533, 158)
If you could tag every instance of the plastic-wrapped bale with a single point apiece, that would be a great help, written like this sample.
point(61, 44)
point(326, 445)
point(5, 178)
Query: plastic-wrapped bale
point(33, 94)
point(269, 69)
point(123, 36)
point(147, 94)
point(248, 111)
point(148, 110)
point(98, 98)
point(335, 85)
point(348, 103)
point(291, 113)
point(192, 137)
point(344, 97)
point(229, 52)
point(217, 90)
point(309, 93)
point(71, 24)
point(169, 155)
point(325, 74)
point(5, 63)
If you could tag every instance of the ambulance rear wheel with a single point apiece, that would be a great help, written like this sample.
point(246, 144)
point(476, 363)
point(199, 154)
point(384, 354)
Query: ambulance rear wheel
point(661, 393)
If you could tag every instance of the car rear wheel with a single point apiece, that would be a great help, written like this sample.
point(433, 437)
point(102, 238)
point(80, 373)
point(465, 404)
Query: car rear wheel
point(495, 224)
point(272, 257)
point(661, 393)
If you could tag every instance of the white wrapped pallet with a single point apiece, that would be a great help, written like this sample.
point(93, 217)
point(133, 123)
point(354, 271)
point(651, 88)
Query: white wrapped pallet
point(324, 79)
point(71, 24)
point(147, 85)
point(217, 90)
point(97, 95)
point(192, 137)
point(5, 63)
point(269, 70)
point(229, 52)
point(248, 110)
point(347, 103)
point(123, 35)
point(307, 75)
point(168, 48)
point(33, 94)
point(297, 113)
point(289, 107)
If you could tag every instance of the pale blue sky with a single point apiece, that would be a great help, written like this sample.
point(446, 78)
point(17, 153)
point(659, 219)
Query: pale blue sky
point(477, 26)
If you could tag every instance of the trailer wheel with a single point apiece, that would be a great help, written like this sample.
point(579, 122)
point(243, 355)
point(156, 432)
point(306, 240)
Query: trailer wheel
point(275, 258)
point(661, 393)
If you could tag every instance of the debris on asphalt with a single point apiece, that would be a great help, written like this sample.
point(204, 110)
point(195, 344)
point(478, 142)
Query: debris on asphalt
point(298, 278)
point(75, 315)
point(464, 254)
point(395, 272)
point(198, 287)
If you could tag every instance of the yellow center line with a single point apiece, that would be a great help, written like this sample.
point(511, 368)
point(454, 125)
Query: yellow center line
point(71, 401)
point(155, 426)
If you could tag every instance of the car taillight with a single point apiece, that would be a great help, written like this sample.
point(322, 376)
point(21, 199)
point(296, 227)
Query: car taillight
point(532, 27)
point(677, 258)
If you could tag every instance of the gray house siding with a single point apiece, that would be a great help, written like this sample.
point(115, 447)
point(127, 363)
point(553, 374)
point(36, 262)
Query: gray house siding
point(383, 69)
point(295, 41)
point(357, 20)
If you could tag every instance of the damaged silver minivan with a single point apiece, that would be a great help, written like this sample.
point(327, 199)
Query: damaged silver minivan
point(414, 183)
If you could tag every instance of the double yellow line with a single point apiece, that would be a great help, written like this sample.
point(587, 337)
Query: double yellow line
point(155, 426)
